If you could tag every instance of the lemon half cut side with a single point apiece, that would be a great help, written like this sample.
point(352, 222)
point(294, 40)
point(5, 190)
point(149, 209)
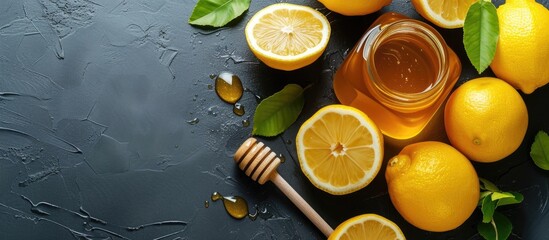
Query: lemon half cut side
point(288, 36)
point(340, 149)
point(444, 13)
point(367, 226)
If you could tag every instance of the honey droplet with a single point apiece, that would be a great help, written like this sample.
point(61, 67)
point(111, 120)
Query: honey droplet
point(216, 196)
point(245, 123)
point(235, 206)
point(238, 109)
point(228, 87)
point(206, 204)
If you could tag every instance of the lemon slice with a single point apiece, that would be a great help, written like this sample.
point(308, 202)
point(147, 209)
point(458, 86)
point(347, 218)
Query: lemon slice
point(444, 13)
point(340, 149)
point(367, 226)
point(287, 36)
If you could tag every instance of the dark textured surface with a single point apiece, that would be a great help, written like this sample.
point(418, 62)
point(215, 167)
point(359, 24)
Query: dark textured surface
point(110, 128)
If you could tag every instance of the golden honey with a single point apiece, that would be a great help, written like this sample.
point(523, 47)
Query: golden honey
point(235, 206)
point(399, 73)
point(228, 87)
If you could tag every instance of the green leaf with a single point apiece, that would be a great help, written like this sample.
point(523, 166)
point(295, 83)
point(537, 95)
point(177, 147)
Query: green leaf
point(487, 185)
point(517, 198)
point(483, 195)
point(217, 13)
point(487, 207)
point(499, 195)
point(480, 34)
point(498, 229)
point(277, 112)
point(540, 150)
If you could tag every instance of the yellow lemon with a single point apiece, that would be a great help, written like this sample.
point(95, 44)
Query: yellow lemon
point(445, 14)
point(367, 226)
point(340, 149)
point(287, 36)
point(486, 119)
point(433, 186)
point(522, 52)
point(355, 7)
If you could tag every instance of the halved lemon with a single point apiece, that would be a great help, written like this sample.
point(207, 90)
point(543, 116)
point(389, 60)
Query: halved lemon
point(355, 7)
point(444, 13)
point(367, 226)
point(340, 149)
point(287, 36)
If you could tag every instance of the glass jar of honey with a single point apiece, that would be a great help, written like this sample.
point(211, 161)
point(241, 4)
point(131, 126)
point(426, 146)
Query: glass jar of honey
point(399, 73)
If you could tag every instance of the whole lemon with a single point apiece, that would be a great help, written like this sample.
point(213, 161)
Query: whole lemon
point(522, 51)
point(486, 119)
point(433, 186)
point(355, 7)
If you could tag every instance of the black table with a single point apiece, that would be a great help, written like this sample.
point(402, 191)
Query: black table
point(110, 128)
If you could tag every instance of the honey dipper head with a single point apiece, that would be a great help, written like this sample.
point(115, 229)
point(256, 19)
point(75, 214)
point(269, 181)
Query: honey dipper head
point(256, 160)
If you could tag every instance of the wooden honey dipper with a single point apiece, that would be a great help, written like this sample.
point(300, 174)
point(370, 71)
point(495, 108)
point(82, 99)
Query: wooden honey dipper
point(260, 163)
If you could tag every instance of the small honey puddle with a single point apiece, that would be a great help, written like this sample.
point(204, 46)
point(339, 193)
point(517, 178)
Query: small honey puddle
point(238, 109)
point(236, 206)
point(228, 87)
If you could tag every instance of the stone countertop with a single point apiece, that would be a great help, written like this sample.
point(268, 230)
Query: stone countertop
point(110, 128)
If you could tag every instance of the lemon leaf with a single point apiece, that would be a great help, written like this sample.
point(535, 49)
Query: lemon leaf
point(497, 229)
point(217, 13)
point(483, 195)
point(276, 113)
point(540, 150)
point(495, 226)
point(487, 208)
point(501, 195)
point(480, 34)
point(517, 198)
point(487, 185)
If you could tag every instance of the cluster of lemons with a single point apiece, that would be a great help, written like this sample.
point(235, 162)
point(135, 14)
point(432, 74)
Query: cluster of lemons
point(433, 185)
point(288, 36)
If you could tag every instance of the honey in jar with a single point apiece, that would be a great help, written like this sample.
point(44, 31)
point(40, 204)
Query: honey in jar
point(399, 73)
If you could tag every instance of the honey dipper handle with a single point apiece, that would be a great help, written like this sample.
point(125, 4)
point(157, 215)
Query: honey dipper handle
point(301, 204)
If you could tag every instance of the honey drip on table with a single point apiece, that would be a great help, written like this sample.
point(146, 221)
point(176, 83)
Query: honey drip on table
point(236, 206)
point(228, 87)
point(238, 109)
point(245, 123)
